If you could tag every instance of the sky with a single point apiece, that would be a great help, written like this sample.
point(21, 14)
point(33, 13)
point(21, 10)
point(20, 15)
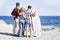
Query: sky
point(43, 7)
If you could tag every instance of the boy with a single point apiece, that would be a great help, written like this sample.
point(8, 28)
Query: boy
point(28, 16)
point(15, 14)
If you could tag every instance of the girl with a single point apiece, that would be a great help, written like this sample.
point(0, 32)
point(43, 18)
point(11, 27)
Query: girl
point(21, 22)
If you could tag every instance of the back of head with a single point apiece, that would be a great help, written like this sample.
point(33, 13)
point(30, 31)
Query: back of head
point(22, 9)
point(17, 4)
point(29, 7)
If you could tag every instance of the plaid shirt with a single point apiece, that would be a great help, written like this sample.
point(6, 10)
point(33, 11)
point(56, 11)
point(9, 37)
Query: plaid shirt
point(28, 16)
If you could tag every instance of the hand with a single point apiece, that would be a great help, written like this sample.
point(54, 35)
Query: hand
point(33, 14)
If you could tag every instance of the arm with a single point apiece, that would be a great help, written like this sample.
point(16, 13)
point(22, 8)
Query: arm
point(33, 13)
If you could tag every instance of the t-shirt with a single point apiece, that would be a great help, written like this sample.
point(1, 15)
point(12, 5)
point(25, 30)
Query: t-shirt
point(15, 12)
point(28, 14)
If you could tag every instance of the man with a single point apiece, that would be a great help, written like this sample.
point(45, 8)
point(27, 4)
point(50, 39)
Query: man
point(15, 14)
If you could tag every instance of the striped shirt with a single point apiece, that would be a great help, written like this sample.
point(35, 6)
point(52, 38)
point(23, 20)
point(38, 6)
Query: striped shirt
point(28, 14)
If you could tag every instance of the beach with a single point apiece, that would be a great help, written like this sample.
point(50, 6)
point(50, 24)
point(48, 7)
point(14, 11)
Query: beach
point(46, 34)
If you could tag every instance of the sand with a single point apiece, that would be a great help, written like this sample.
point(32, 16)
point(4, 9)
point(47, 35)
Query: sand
point(6, 33)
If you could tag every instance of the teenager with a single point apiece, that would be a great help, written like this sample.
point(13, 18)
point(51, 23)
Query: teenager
point(28, 16)
point(15, 14)
point(21, 22)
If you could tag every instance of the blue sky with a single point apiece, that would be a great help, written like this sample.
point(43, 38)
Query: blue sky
point(43, 7)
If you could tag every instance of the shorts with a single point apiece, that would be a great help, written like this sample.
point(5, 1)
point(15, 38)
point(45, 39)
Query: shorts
point(28, 24)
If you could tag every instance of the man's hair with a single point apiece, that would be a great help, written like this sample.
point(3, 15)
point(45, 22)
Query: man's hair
point(29, 7)
point(17, 4)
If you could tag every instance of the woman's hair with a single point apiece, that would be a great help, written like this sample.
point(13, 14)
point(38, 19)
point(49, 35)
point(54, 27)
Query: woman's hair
point(29, 7)
point(22, 9)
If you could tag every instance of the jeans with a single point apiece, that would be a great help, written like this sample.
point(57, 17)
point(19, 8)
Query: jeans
point(21, 29)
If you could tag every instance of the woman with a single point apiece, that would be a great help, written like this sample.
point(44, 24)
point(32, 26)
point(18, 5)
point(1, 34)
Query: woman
point(36, 24)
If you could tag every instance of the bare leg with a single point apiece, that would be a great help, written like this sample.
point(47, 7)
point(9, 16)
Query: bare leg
point(27, 31)
point(31, 31)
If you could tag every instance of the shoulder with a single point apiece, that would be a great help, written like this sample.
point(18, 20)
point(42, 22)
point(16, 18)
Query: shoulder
point(33, 10)
point(28, 11)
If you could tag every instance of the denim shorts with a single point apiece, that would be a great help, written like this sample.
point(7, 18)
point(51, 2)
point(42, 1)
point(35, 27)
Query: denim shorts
point(28, 24)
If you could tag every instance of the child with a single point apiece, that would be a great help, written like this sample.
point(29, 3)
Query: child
point(21, 22)
point(15, 14)
point(28, 16)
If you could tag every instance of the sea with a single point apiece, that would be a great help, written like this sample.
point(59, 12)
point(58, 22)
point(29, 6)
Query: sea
point(45, 20)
